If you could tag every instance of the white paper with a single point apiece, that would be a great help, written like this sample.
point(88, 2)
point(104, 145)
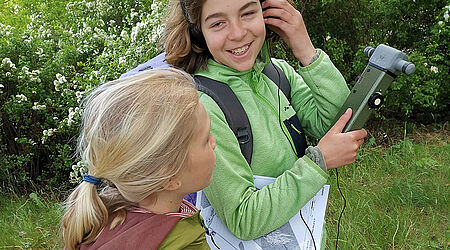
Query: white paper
point(292, 235)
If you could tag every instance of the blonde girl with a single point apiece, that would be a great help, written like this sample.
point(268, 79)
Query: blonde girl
point(146, 142)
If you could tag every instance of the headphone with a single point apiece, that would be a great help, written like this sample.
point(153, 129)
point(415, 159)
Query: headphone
point(196, 35)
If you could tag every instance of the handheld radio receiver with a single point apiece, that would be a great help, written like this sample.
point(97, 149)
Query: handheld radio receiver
point(385, 64)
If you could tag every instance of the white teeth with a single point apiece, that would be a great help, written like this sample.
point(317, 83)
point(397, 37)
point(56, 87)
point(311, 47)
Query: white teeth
point(240, 50)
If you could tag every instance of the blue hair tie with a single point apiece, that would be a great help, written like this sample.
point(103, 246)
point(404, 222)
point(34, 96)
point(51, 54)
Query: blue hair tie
point(91, 179)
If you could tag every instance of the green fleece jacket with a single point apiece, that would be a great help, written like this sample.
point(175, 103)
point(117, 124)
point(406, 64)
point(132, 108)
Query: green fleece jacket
point(317, 91)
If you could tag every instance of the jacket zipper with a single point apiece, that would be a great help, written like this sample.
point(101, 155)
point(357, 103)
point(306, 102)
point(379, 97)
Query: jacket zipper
point(283, 127)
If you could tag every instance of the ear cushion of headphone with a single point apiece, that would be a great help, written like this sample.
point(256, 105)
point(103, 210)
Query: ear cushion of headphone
point(197, 37)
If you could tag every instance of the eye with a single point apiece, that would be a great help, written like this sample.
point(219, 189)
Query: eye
point(249, 13)
point(217, 25)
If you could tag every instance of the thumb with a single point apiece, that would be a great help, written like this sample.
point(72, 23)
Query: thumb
point(340, 124)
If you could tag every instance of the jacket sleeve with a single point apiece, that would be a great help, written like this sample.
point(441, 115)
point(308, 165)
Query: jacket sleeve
point(317, 93)
point(247, 212)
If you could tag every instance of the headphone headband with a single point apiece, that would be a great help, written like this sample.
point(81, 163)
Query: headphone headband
point(196, 35)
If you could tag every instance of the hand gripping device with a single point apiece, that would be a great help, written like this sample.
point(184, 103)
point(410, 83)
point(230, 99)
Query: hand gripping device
point(385, 64)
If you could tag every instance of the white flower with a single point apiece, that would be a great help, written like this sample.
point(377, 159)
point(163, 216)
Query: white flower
point(434, 69)
point(39, 51)
point(122, 60)
point(79, 95)
point(21, 98)
point(72, 113)
point(1, 85)
point(446, 16)
point(36, 106)
point(60, 79)
point(124, 34)
point(154, 6)
point(328, 38)
point(7, 62)
point(49, 132)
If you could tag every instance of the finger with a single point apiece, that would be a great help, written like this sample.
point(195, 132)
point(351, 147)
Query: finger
point(276, 25)
point(340, 124)
point(281, 4)
point(278, 13)
point(360, 142)
point(358, 134)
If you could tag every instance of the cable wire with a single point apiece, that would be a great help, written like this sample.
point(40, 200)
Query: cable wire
point(290, 143)
point(343, 208)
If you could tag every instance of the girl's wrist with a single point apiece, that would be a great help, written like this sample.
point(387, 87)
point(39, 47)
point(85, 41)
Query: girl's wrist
point(306, 56)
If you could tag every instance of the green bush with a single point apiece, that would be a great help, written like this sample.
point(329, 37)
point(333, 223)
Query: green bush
point(48, 64)
point(343, 28)
point(53, 52)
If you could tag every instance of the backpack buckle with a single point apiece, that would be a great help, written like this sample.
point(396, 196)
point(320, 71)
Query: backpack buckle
point(242, 135)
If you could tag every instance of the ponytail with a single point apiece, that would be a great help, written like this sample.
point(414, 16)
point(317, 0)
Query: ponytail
point(85, 217)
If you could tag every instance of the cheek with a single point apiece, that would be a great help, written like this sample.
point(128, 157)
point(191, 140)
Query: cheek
point(214, 46)
point(260, 29)
point(215, 43)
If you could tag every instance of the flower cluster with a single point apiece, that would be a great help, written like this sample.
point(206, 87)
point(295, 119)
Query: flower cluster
point(78, 170)
point(63, 55)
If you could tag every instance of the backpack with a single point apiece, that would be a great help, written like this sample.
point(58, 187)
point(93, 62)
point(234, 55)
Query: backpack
point(231, 107)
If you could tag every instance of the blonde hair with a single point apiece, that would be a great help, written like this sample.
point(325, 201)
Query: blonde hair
point(135, 135)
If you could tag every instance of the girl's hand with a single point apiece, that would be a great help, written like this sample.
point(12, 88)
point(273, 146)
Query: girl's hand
point(286, 21)
point(340, 149)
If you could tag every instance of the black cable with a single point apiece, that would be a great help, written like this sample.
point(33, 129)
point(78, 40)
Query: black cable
point(337, 175)
point(343, 208)
point(290, 143)
point(279, 121)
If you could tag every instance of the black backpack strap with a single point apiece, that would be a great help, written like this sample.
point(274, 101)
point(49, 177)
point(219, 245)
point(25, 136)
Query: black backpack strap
point(278, 77)
point(232, 108)
point(292, 124)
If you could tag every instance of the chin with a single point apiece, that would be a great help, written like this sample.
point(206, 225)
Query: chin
point(241, 67)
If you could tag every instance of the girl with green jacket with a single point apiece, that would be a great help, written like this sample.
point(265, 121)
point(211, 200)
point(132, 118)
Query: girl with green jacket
point(226, 41)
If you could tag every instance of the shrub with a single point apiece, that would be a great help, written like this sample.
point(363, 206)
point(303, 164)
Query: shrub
point(343, 28)
point(48, 64)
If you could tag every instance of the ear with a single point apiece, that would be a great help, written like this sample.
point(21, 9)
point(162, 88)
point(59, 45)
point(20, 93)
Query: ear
point(172, 184)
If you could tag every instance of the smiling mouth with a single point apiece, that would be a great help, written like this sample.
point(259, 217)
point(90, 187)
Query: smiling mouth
point(240, 51)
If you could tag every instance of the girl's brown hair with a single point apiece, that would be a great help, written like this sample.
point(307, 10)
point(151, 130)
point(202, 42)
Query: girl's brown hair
point(181, 52)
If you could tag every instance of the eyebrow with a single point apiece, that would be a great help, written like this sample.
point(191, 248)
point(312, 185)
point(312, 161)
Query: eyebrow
point(219, 14)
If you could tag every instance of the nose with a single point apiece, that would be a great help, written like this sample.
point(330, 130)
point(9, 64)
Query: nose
point(237, 31)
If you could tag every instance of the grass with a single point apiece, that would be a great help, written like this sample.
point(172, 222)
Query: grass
point(397, 198)
point(29, 222)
